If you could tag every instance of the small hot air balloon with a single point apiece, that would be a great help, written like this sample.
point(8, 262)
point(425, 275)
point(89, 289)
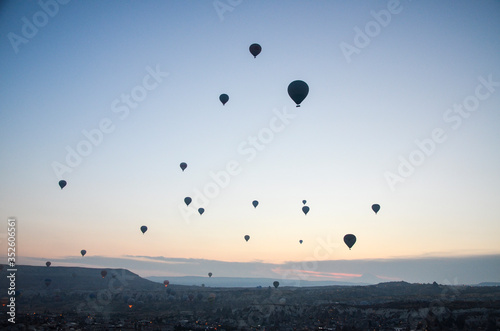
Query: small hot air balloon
point(130, 302)
point(376, 208)
point(300, 241)
point(305, 209)
point(304, 202)
point(48, 263)
point(209, 274)
point(187, 200)
point(83, 252)
point(247, 237)
point(350, 240)
point(255, 203)
point(201, 211)
point(104, 273)
point(166, 282)
point(298, 90)
point(62, 183)
point(255, 49)
point(48, 281)
point(144, 229)
point(276, 284)
point(224, 98)
point(183, 166)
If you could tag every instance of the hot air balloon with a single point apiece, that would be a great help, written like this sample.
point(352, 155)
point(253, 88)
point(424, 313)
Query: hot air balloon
point(300, 241)
point(247, 237)
point(255, 49)
point(224, 98)
point(304, 202)
point(298, 90)
point(48, 281)
point(255, 203)
point(187, 200)
point(276, 284)
point(83, 252)
point(201, 211)
point(209, 274)
point(305, 209)
point(183, 166)
point(350, 240)
point(144, 229)
point(48, 263)
point(376, 208)
point(62, 183)
point(166, 282)
point(104, 273)
point(130, 302)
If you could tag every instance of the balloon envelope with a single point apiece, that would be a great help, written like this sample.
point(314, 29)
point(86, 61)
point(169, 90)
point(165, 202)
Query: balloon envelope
point(183, 166)
point(305, 209)
point(304, 202)
point(209, 274)
point(187, 200)
point(255, 203)
point(376, 208)
point(201, 211)
point(350, 240)
point(166, 282)
point(255, 49)
point(104, 273)
point(48, 263)
point(300, 241)
point(48, 281)
point(224, 98)
point(298, 90)
point(144, 229)
point(247, 237)
point(83, 252)
point(62, 183)
point(276, 284)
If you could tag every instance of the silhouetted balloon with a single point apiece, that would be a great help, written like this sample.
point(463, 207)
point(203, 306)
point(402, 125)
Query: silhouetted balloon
point(298, 90)
point(247, 237)
point(166, 282)
point(201, 211)
point(376, 208)
point(183, 166)
point(144, 229)
point(350, 240)
point(255, 49)
point(304, 202)
point(48, 263)
point(276, 284)
point(104, 273)
point(224, 98)
point(305, 209)
point(62, 183)
point(255, 203)
point(48, 281)
point(83, 252)
point(300, 241)
point(209, 274)
point(187, 200)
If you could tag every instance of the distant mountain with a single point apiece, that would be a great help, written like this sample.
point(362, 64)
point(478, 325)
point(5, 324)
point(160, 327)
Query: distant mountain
point(488, 284)
point(255, 282)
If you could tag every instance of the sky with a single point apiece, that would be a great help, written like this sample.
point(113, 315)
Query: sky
point(402, 111)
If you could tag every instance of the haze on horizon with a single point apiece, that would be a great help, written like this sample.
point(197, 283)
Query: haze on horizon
point(402, 111)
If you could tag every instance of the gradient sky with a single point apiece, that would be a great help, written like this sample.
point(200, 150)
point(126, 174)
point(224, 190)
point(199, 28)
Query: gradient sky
point(413, 74)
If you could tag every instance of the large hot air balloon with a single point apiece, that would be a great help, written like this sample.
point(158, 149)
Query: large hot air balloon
point(144, 229)
point(224, 98)
point(187, 200)
point(209, 274)
point(201, 211)
point(255, 203)
point(305, 209)
point(62, 183)
point(376, 208)
point(183, 166)
point(104, 273)
point(83, 252)
point(255, 49)
point(166, 282)
point(247, 237)
point(350, 240)
point(276, 284)
point(48, 281)
point(48, 263)
point(300, 241)
point(298, 90)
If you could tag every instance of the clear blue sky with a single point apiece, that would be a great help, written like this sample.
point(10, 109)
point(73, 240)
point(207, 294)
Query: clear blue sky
point(385, 77)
